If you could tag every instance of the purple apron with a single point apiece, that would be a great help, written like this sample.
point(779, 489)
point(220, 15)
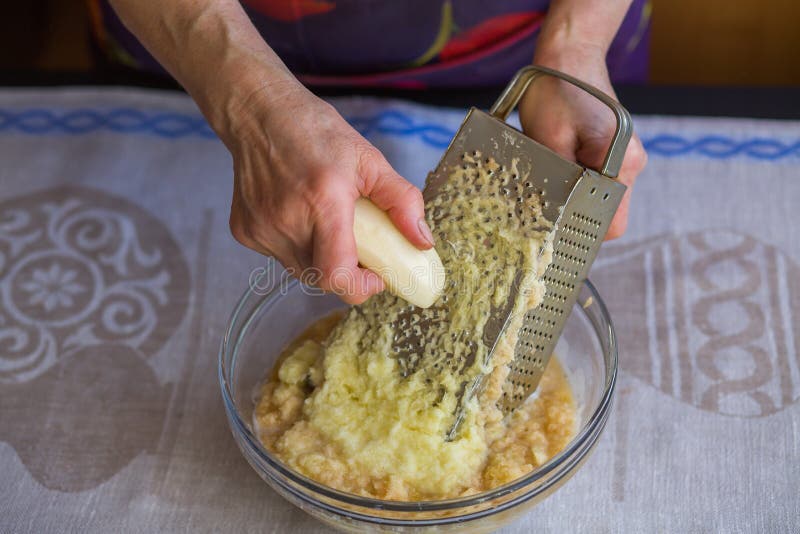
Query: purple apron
point(390, 43)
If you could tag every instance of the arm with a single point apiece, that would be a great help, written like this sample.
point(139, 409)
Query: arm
point(580, 27)
point(575, 38)
point(298, 166)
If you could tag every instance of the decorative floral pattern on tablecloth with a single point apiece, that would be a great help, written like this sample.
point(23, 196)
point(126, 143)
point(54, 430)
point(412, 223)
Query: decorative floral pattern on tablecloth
point(91, 286)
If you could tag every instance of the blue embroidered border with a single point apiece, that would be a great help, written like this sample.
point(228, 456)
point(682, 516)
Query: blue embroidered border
point(40, 121)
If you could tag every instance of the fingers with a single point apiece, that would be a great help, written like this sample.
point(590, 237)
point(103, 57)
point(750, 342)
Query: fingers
point(397, 197)
point(326, 257)
point(335, 257)
point(634, 162)
point(620, 221)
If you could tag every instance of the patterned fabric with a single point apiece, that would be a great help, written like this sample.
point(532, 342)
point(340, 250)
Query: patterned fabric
point(118, 276)
point(410, 44)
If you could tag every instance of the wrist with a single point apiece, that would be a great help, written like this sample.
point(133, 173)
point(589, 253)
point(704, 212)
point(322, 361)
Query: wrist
point(562, 46)
point(231, 67)
point(578, 33)
point(240, 85)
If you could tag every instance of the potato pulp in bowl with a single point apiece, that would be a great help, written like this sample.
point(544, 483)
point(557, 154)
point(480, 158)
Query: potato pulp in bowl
point(341, 410)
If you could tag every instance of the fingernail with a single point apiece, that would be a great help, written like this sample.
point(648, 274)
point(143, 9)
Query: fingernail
point(426, 231)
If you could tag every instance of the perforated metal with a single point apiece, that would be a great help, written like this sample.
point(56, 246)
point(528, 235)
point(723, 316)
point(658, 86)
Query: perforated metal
point(553, 179)
point(580, 201)
point(579, 232)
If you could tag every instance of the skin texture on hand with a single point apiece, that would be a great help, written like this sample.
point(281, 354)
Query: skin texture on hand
point(298, 170)
point(572, 123)
point(298, 165)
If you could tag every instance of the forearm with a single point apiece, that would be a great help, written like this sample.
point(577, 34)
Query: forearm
point(212, 50)
point(579, 28)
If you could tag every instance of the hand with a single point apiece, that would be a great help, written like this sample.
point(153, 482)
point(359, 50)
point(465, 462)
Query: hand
point(298, 166)
point(576, 125)
point(298, 169)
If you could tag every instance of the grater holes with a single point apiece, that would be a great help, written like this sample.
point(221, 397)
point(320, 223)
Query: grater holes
point(593, 191)
point(579, 233)
point(569, 258)
point(576, 244)
point(585, 219)
point(563, 270)
point(568, 286)
point(539, 320)
point(553, 310)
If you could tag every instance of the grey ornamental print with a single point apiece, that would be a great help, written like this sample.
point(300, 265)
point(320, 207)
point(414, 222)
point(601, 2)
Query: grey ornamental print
point(710, 318)
point(91, 286)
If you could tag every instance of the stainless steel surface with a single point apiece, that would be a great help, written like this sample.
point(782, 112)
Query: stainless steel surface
point(579, 232)
point(580, 201)
point(525, 76)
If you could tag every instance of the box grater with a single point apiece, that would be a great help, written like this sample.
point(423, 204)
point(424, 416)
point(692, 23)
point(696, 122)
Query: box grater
point(581, 202)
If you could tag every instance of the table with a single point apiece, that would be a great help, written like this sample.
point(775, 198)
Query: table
point(117, 276)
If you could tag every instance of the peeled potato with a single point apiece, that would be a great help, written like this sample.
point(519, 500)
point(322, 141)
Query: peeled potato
point(408, 272)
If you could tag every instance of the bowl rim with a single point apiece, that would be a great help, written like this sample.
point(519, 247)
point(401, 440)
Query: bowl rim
point(558, 466)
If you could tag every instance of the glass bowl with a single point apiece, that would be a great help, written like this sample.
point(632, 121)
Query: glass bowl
point(266, 319)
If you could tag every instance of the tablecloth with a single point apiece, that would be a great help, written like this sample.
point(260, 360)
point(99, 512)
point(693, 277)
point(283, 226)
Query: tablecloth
point(118, 274)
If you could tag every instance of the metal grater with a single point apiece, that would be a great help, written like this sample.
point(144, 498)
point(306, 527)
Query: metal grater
point(580, 201)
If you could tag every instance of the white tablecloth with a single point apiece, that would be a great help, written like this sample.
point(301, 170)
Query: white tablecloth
point(117, 277)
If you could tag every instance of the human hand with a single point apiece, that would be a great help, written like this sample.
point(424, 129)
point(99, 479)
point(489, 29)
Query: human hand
point(298, 170)
point(577, 126)
point(298, 166)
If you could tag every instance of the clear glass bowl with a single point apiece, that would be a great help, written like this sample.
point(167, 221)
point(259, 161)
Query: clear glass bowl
point(265, 321)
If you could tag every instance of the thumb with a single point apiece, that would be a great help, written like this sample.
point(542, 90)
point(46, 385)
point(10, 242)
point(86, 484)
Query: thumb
point(398, 197)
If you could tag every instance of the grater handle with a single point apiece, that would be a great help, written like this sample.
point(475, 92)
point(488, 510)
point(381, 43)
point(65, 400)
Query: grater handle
point(523, 78)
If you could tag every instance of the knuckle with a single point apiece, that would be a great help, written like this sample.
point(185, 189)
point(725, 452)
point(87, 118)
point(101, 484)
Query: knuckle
point(371, 166)
point(324, 179)
point(412, 195)
point(637, 155)
point(368, 154)
point(406, 200)
point(321, 199)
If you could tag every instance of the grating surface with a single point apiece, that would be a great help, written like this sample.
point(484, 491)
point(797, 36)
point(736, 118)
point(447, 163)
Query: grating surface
point(481, 199)
point(581, 201)
point(579, 233)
